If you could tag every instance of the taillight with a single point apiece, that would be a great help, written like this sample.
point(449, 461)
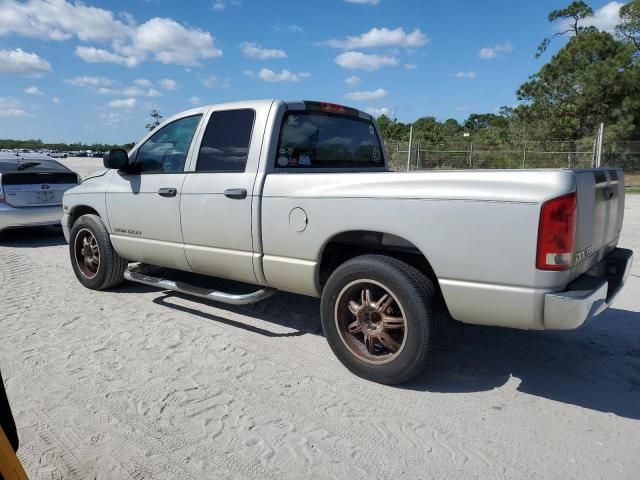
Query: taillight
point(556, 233)
point(330, 108)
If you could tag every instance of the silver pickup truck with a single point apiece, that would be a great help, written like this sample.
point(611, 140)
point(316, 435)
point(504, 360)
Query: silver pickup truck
point(297, 196)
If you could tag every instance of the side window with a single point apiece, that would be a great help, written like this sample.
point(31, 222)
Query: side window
point(166, 151)
point(225, 145)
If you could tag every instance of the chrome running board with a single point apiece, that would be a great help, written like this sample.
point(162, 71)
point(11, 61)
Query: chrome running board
point(135, 274)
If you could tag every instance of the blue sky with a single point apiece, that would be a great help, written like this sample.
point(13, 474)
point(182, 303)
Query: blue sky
point(92, 71)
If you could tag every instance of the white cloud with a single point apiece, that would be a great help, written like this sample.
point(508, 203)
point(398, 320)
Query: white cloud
point(90, 81)
point(381, 37)
point(352, 80)
point(169, 84)
point(19, 62)
point(280, 27)
point(125, 103)
point(367, 95)
point(33, 91)
point(212, 81)
point(364, 2)
point(55, 100)
point(496, 50)
point(361, 61)
point(59, 20)
point(164, 39)
point(171, 43)
point(410, 66)
point(12, 107)
point(284, 76)
point(377, 112)
point(100, 55)
point(143, 82)
point(253, 50)
point(470, 75)
point(130, 91)
point(605, 18)
point(135, 91)
point(220, 5)
point(111, 118)
point(195, 101)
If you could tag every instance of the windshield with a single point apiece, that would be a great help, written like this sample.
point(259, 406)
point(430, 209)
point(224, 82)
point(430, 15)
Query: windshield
point(327, 140)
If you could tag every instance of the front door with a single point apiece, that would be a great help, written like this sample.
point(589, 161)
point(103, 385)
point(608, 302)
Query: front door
point(143, 204)
point(217, 196)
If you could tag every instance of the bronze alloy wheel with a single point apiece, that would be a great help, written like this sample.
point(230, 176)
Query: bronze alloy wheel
point(370, 321)
point(87, 253)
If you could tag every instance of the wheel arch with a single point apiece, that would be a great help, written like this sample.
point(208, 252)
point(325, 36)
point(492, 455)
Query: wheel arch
point(80, 210)
point(349, 244)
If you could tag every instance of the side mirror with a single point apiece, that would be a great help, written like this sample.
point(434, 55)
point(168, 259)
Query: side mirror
point(117, 159)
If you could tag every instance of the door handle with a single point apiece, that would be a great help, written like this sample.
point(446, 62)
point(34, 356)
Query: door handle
point(236, 193)
point(608, 193)
point(168, 192)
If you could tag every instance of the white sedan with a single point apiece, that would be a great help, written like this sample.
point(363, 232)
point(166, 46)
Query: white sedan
point(31, 189)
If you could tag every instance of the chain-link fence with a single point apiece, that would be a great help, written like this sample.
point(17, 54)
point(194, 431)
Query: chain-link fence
point(525, 154)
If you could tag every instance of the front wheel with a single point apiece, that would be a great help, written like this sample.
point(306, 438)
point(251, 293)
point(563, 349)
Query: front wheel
point(95, 263)
point(381, 318)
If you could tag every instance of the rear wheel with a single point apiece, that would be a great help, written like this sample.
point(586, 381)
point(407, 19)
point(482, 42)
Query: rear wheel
point(95, 263)
point(381, 318)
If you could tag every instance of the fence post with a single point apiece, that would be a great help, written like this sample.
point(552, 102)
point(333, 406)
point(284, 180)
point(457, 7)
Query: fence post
point(418, 156)
point(600, 135)
point(409, 152)
point(470, 154)
point(524, 154)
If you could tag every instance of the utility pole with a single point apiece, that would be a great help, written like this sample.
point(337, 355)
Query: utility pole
point(409, 152)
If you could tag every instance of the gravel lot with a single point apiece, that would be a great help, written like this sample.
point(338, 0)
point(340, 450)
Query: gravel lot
point(138, 383)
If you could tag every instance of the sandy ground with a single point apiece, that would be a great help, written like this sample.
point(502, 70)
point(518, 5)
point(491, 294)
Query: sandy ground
point(138, 383)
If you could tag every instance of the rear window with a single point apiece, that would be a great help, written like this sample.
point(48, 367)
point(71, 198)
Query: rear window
point(31, 165)
point(327, 140)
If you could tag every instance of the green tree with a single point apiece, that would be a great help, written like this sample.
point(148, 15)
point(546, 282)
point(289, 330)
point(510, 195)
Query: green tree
point(392, 130)
point(575, 12)
point(155, 120)
point(629, 27)
point(592, 79)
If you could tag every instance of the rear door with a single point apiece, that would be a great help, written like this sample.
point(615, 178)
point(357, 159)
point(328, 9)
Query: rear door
point(143, 204)
point(600, 215)
point(217, 194)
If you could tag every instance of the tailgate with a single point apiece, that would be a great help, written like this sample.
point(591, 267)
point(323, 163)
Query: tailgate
point(36, 189)
point(600, 214)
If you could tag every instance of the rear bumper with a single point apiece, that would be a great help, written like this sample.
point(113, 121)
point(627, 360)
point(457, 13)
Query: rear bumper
point(588, 295)
point(11, 217)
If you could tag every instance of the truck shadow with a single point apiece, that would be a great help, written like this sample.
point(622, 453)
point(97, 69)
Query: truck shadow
point(596, 367)
point(32, 237)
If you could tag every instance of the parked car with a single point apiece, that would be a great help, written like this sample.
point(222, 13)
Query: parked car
point(31, 189)
point(297, 196)
point(58, 154)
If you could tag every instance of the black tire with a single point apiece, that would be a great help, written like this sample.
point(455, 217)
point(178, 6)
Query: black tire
point(413, 296)
point(108, 272)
